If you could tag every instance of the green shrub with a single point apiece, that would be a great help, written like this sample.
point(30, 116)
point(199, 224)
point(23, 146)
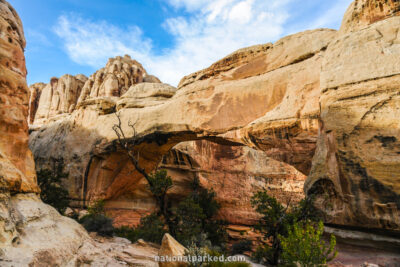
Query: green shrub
point(241, 247)
point(97, 220)
point(304, 245)
point(97, 207)
point(150, 229)
point(196, 215)
point(127, 232)
point(51, 191)
point(276, 220)
point(261, 254)
point(98, 223)
point(189, 216)
point(159, 184)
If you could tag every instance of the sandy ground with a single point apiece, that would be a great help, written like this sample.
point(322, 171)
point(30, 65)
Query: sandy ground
point(353, 256)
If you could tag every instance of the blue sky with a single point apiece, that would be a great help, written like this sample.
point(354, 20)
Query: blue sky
point(171, 38)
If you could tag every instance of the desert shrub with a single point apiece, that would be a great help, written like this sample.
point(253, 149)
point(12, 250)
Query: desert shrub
point(241, 247)
point(127, 232)
point(261, 254)
point(97, 207)
point(98, 223)
point(97, 220)
point(159, 184)
point(304, 245)
point(52, 192)
point(276, 221)
point(198, 247)
point(189, 216)
point(151, 229)
point(196, 215)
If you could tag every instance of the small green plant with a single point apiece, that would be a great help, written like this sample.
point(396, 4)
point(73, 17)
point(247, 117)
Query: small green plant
point(276, 220)
point(52, 192)
point(305, 247)
point(241, 247)
point(198, 248)
point(97, 207)
point(97, 220)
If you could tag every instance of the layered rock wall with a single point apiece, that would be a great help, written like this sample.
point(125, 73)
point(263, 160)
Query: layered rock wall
point(263, 97)
point(321, 102)
point(60, 96)
point(31, 232)
point(356, 168)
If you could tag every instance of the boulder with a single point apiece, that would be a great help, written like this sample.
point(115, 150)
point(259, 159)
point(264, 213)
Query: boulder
point(171, 248)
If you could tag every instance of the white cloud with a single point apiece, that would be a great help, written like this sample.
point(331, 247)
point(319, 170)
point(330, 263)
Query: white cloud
point(214, 29)
point(91, 43)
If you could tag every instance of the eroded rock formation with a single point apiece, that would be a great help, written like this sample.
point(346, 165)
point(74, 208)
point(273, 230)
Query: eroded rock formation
point(321, 103)
point(35, 91)
point(114, 79)
point(57, 97)
point(31, 232)
point(362, 13)
point(356, 168)
point(263, 97)
point(235, 173)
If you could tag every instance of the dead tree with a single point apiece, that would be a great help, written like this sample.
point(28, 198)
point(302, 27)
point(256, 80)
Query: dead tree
point(159, 183)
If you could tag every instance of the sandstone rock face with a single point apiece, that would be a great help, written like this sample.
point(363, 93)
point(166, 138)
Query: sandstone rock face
point(35, 91)
point(356, 168)
point(114, 79)
point(17, 169)
point(235, 173)
point(31, 232)
point(58, 97)
point(42, 237)
point(264, 97)
point(171, 248)
point(362, 13)
point(145, 95)
point(322, 103)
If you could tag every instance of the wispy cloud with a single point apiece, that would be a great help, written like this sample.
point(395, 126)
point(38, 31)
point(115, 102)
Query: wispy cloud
point(91, 43)
point(213, 30)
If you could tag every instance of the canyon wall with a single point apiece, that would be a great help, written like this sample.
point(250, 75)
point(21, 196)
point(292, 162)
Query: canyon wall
point(31, 232)
point(356, 168)
point(320, 103)
point(257, 109)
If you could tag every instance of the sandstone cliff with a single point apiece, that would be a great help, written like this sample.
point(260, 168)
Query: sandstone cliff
point(320, 103)
point(31, 232)
point(263, 97)
point(356, 168)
